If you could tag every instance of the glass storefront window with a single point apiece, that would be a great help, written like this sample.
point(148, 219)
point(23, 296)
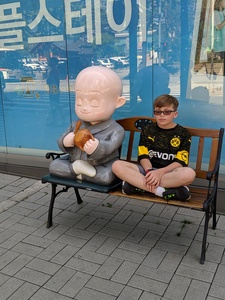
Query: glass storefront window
point(156, 47)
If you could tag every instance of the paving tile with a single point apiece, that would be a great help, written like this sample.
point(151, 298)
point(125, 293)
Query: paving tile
point(27, 249)
point(154, 258)
point(59, 279)
point(3, 278)
point(7, 257)
point(158, 220)
point(108, 207)
point(114, 233)
point(72, 240)
point(170, 262)
point(134, 218)
point(197, 290)
point(195, 273)
point(24, 292)
point(148, 285)
point(65, 254)
point(217, 291)
point(56, 232)
point(156, 209)
point(43, 266)
point(156, 274)
point(23, 228)
point(133, 207)
point(48, 295)
point(129, 293)
point(219, 278)
point(37, 241)
point(102, 215)
point(20, 210)
point(42, 210)
point(91, 256)
point(86, 293)
point(32, 276)
point(32, 222)
point(9, 222)
point(122, 216)
point(52, 250)
point(97, 225)
point(109, 245)
point(5, 235)
point(84, 223)
point(137, 235)
point(74, 284)
point(4, 216)
point(178, 288)
point(80, 233)
point(82, 265)
point(121, 227)
point(152, 226)
point(9, 287)
point(193, 262)
point(125, 271)
point(128, 255)
point(137, 248)
point(151, 238)
point(150, 296)
point(96, 242)
point(181, 249)
point(109, 267)
point(105, 286)
point(16, 265)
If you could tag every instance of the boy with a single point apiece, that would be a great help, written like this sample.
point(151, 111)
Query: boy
point(163, 153)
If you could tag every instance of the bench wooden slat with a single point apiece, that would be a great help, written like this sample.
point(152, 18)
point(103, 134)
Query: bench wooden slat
point(198, 196)
point(213, 153)
point(199, 154)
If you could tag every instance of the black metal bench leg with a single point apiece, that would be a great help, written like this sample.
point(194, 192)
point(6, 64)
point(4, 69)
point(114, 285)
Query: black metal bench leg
point(51, 205)
point(214, 221)
point(207, 217)
point(79, 200)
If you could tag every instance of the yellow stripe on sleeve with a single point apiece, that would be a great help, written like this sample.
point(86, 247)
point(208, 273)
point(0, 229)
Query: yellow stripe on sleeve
point(142, 150)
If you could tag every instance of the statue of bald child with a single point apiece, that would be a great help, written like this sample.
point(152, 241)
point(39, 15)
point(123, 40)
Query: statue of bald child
point(92, 142)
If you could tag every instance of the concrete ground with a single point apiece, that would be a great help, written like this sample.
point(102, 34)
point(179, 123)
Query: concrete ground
point(104, 249)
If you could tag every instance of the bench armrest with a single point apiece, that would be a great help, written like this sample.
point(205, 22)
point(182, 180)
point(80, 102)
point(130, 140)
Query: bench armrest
point(54, 155)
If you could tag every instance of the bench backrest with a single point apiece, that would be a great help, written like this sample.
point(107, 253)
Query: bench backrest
point(205, 150)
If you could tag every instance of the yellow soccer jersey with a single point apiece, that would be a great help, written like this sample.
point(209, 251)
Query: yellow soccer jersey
point(164, 146)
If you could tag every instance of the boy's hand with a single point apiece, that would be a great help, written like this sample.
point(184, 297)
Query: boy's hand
point(153, 178)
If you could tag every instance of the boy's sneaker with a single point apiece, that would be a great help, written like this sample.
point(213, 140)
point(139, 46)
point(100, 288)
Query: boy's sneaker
point(180, 193)
point(129, 189)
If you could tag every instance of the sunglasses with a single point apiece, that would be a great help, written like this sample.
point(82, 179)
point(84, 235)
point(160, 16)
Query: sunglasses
point(165, 112)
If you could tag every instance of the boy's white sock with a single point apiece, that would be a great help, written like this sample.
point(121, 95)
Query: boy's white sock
point(159, 191)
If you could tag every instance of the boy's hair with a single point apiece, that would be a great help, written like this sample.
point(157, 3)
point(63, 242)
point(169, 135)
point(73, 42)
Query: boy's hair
point(166, 100)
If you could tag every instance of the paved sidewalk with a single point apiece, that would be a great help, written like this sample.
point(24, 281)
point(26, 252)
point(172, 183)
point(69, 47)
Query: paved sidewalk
point(104, 249)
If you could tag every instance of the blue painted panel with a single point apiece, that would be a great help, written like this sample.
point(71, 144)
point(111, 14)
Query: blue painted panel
point(155, 46)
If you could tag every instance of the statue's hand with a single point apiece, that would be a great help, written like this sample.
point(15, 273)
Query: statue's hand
point(91, 145)
point(81, 137)
point(68, 140)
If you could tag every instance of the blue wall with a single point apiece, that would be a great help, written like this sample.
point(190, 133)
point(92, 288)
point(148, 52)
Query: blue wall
point(163, 48)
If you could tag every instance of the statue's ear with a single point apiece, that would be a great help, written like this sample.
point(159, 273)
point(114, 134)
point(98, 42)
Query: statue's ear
point(120, 101)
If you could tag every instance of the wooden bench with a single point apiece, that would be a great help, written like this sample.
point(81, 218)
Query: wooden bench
point(204, 159)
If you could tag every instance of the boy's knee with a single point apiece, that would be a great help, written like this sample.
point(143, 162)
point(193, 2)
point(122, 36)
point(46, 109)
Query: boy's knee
point(190, 174)
point(116, 166)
